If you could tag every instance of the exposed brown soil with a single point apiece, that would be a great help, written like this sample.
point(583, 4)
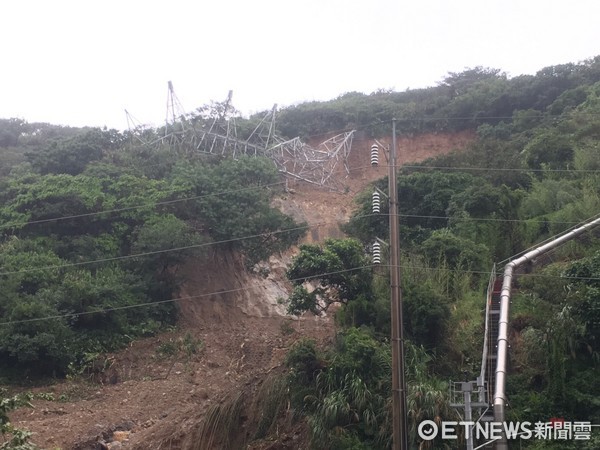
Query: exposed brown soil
point(159, 398)
point(155, 393)
point(324, 210)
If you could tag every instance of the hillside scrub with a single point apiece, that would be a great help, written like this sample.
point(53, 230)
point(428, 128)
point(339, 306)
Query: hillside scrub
point(531, 173)
point(90, 247)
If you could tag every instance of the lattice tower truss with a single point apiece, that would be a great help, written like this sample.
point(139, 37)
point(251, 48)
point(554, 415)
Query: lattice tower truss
point(214, 132)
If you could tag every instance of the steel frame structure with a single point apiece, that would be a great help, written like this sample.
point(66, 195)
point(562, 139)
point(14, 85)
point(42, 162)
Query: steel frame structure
point(217, 134)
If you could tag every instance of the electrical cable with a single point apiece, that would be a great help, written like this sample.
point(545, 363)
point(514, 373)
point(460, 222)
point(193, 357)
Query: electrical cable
point(173, 300)
point(316, 225)
point(129, 208)
point(255, 236)
point(187, 247)
point(483, 219)
point(235, 239)
point(18, 224)
point(498, 169)
point(487, 273)
point(487, 169)
point(156, 252)
point(361, 127)
point(420, 119)
point(228, 291)
point(167, 202)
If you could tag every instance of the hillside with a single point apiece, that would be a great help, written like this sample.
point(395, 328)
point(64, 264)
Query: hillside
point(146, 274)
point(241, 336)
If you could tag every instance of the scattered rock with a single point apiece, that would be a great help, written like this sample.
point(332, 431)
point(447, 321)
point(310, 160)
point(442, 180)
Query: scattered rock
point(148, 423)
point(59, 411)
point(120, 436)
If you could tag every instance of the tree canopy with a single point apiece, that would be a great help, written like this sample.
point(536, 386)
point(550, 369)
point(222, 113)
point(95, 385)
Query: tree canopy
point(94, 225)
point(90, 245)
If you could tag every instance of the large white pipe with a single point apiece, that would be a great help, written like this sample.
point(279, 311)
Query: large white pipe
point(502, 355)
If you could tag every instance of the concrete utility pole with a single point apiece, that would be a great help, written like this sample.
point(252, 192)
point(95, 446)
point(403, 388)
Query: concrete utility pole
point(400, 427)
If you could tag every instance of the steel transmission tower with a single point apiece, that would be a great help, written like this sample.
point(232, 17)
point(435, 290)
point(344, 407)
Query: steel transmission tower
point(213, 130)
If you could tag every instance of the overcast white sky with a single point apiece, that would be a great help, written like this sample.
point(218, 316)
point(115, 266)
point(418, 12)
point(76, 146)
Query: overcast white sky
point(75, 62)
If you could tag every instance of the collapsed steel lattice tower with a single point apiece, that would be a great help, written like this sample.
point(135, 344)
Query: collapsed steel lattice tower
point(213, 130)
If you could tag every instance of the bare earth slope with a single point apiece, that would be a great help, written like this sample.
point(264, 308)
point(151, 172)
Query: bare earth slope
point(153, 394)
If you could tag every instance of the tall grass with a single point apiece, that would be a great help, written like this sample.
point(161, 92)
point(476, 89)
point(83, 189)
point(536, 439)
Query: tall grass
point(220, 426)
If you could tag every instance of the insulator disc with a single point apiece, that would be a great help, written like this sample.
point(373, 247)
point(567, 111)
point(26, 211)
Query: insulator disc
point(376, 253)
point(376, 203)
point(374, 155)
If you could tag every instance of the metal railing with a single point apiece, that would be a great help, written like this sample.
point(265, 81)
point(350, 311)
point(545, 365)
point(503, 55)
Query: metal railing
point(481, 381)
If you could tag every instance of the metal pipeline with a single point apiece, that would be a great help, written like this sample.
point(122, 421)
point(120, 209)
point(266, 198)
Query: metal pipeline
point(502, 355)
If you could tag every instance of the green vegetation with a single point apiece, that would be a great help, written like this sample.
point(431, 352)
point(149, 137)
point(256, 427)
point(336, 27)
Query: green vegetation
point(329, 265)
point(13, 438)
point(89, 231)
point(187, 346)
point(531, 173)
point(464, 100)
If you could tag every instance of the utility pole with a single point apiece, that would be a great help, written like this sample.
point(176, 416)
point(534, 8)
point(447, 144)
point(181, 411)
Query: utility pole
point(400, 428)
point(399, 413)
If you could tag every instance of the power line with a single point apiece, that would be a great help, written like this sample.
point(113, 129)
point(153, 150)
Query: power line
point(483, 219)
point(167, 202)
point(173, 300)
point(488, 273)
point(255, 236)
point(187, 247)
point(228, 291)
point(130, 208)
point(484, 118)
point(498, 169)
point(148, 205)
point(156, 252)
point(420, 119)
point(474, 219)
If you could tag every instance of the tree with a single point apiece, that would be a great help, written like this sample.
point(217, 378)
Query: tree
point(33, 198)
point(425, 315)
point(159, 236)
point(233, 206)
point(165, 232)
point(460, 82)
point(345, 391)
point(71, 155)
point(26, 343)
point(551, 150)
point(584, 297)
point(424, 199)
point(10, 131)
point(445, 246)
point(339, 271)
point(349, 403)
